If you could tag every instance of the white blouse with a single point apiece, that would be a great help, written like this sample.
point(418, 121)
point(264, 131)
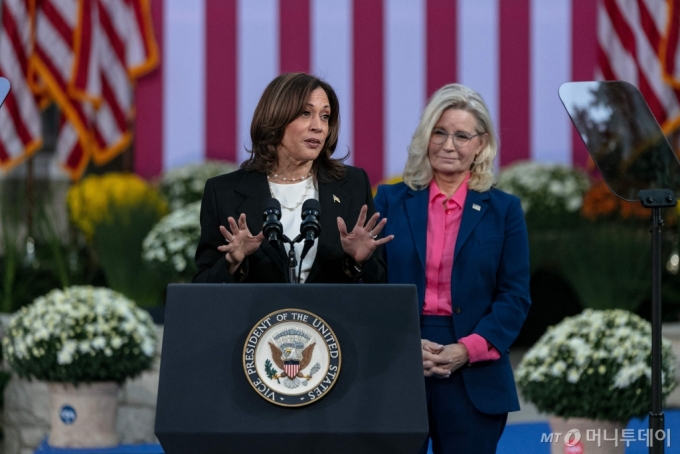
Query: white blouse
point(292, 196)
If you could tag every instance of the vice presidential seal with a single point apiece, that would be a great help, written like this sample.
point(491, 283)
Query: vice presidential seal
point(292, 358)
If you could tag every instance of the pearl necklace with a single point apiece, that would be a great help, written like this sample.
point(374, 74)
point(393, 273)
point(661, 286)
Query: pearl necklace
point(304, 195)
point(302, 178)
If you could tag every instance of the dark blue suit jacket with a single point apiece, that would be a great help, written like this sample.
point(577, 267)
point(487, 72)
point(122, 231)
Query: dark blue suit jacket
point(489, 280)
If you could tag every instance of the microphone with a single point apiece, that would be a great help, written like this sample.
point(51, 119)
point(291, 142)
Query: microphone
point(310, 227)
point(272, 227)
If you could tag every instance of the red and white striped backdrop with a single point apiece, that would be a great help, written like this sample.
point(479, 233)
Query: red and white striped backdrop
point(383, 57)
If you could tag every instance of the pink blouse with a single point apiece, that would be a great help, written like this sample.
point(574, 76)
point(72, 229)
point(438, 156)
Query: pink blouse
point(443, 223)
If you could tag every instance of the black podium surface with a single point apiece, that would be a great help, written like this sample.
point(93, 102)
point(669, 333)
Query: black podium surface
point(206, 404)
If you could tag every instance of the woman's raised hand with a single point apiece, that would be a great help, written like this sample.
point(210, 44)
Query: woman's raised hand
point(240, 242)
point(363, 239)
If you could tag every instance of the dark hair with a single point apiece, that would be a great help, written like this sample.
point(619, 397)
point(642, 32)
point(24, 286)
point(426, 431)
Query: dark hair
point(284, 100)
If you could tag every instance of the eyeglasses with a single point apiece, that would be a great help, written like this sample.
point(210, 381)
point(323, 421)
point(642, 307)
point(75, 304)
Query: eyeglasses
point(460, 139)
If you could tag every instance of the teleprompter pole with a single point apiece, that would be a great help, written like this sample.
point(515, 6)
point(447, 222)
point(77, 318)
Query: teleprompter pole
point(656, 199)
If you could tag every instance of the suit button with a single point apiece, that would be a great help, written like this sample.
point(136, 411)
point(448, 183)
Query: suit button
point(458, 310)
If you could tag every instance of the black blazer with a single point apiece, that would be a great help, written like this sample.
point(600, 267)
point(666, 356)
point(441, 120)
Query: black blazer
point(245, 192)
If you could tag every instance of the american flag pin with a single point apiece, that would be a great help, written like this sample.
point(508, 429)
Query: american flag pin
point(476, 207)
point(335, 198)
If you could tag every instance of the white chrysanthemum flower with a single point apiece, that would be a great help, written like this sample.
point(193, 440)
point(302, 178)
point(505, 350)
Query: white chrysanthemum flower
point(148, 347)
point(558, 368)
point(574, 203)
point(545, 185)
point(573, 375)
point(172, 242)
point(179, 262)
point(64, 358)
point(185, 184)
point(21, 349)
point(539, 374)
point(130, 326)
point(611, 346)
point(85, 346)
point(627, 375)
point(66, 354)
point(99, 342)
point(116, 342)
point(78, 328)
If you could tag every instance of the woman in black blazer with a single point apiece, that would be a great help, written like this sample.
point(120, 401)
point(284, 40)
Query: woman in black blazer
point(294, 132)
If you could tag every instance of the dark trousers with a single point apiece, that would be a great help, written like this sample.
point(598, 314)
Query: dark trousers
point(456, 426)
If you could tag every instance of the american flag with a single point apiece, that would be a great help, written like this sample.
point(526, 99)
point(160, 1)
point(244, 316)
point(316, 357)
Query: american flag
point(83, 55)
point(112, 50)
point(638, 43)
point(20, 126)
point(670, 45)
point(53, 62)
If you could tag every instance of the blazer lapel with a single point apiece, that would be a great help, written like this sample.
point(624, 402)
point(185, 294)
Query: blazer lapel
point(475, 207)
point(416, 210)
point(255, 190)
point(330, 198)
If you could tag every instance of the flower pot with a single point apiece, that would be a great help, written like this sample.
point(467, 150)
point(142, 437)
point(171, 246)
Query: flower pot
point(84, 415)
point(576, 439)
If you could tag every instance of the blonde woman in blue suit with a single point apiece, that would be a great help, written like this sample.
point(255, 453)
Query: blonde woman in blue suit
point(464, 245)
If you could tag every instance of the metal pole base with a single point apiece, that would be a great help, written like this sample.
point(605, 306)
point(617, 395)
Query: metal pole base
point(656, 423)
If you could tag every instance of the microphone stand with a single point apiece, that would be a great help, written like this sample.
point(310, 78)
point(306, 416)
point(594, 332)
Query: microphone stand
point(292, 258)
point(656, 199)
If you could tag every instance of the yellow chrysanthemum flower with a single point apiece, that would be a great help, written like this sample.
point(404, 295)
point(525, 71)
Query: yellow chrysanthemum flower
point(90, 201)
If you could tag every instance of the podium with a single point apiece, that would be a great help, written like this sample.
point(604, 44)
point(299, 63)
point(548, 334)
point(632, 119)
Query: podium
point(207, 403)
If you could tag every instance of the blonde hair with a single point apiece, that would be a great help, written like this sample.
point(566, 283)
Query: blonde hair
point(418, 171)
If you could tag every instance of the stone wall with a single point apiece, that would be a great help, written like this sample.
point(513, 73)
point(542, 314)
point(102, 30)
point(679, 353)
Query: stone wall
point(26, 411)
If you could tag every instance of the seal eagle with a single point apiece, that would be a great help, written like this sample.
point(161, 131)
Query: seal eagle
point(292, 355)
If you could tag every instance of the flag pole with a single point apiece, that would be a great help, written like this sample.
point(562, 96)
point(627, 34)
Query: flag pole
point(29, 196)
point(29, 247)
